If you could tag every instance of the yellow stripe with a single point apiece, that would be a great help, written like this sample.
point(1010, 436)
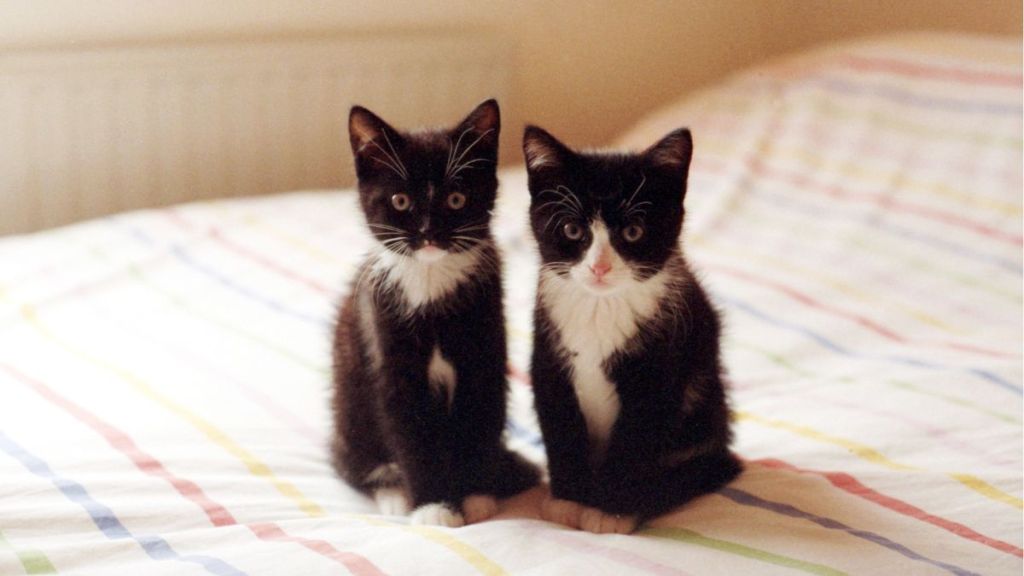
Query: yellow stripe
point(735, 204)
point(254, 221)
point(838, 285)
point(872, 455)
point(982, 487)
point(862, 451)
point(255, 466)
point(736, 103)
point(471, 555)
point(849, 169)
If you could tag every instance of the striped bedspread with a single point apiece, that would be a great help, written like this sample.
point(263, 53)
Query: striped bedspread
point(855, 213)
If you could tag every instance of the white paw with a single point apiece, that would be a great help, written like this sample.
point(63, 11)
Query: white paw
point(391, 501)
point(479, 507)
point(436, 514)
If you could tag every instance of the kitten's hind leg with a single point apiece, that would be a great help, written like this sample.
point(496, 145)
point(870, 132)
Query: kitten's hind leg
point(386, 486)
point(682, 482)
point(513, 474)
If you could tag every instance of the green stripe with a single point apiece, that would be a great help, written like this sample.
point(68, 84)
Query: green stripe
point(691, 537)
point(954, 400)
point(137, 273)
point(786, 364)
point(140, 276)
point(34, 561)
point(888, 248)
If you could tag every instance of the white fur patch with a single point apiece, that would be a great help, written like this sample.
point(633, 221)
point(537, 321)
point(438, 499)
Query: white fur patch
point(368, 329)
point(597, 321)
point(424, 282)
point(538, 155)
point(436, 514)
point(391, 501)
point(441, 375)
point(385, 474)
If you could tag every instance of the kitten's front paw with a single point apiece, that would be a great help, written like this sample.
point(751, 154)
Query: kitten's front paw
point(391, 501)
point(436, 514)
point(598, 522)
point(564, 512)
point(479, 507)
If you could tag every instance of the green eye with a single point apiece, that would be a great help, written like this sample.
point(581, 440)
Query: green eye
point(632, 233)
point(401, 202)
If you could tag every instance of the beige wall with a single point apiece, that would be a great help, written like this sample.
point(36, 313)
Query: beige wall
point(585, 70)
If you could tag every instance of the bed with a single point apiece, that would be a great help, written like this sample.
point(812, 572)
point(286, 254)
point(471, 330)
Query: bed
point(855, 213)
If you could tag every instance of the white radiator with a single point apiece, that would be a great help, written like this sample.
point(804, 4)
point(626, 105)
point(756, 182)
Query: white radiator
point(87, 133)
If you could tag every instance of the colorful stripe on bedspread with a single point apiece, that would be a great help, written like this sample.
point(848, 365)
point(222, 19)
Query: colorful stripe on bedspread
point(857, 217)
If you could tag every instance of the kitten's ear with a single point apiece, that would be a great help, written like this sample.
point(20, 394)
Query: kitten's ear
point(543, 151)
point(364, 127)
point(673, 152)
point(485, 122)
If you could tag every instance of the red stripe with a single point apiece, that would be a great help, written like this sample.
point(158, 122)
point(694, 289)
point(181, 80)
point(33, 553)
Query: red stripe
point(853, 486)
point(260, 259)
point(757, 166)
point(848, 483)
point(918, 70)
point(353, 562)
point(860, 320)
point(217, 514)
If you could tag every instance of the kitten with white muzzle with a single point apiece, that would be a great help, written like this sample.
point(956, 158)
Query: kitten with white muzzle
point(625, 369)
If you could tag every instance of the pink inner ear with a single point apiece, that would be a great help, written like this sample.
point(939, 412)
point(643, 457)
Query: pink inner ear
point(363, 132)
point(672, 151)
point(538, 155)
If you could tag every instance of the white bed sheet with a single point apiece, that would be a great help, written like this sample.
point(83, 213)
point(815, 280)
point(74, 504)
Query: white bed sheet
point(855, 213)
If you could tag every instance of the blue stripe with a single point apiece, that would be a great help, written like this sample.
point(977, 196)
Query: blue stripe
point(830, 345)
point(155, 547)
point(182, 255)
point(877, 220)
point(748, 499)
point(909, 98)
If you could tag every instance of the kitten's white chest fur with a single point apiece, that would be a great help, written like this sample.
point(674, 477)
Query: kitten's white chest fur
point(441, 375)
point(592, 328)
point(426, 282)
point(420, 283)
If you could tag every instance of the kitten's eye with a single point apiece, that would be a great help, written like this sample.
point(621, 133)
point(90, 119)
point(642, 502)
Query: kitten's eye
point(456, 200)
point(632, 233)
point(401, 202)
point(572, 231)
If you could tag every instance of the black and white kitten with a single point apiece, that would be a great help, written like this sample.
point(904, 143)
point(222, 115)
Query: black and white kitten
point(419, 346)
point(626, 370)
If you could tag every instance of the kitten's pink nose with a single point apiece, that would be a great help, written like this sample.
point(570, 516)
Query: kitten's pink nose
point(600, 268)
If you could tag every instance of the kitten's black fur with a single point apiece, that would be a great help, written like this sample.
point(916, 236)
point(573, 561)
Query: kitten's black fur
point(386, 411)
point(669, 443)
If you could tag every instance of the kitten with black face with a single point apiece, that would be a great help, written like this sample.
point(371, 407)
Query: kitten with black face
point(626, 370)
point(419, 345)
